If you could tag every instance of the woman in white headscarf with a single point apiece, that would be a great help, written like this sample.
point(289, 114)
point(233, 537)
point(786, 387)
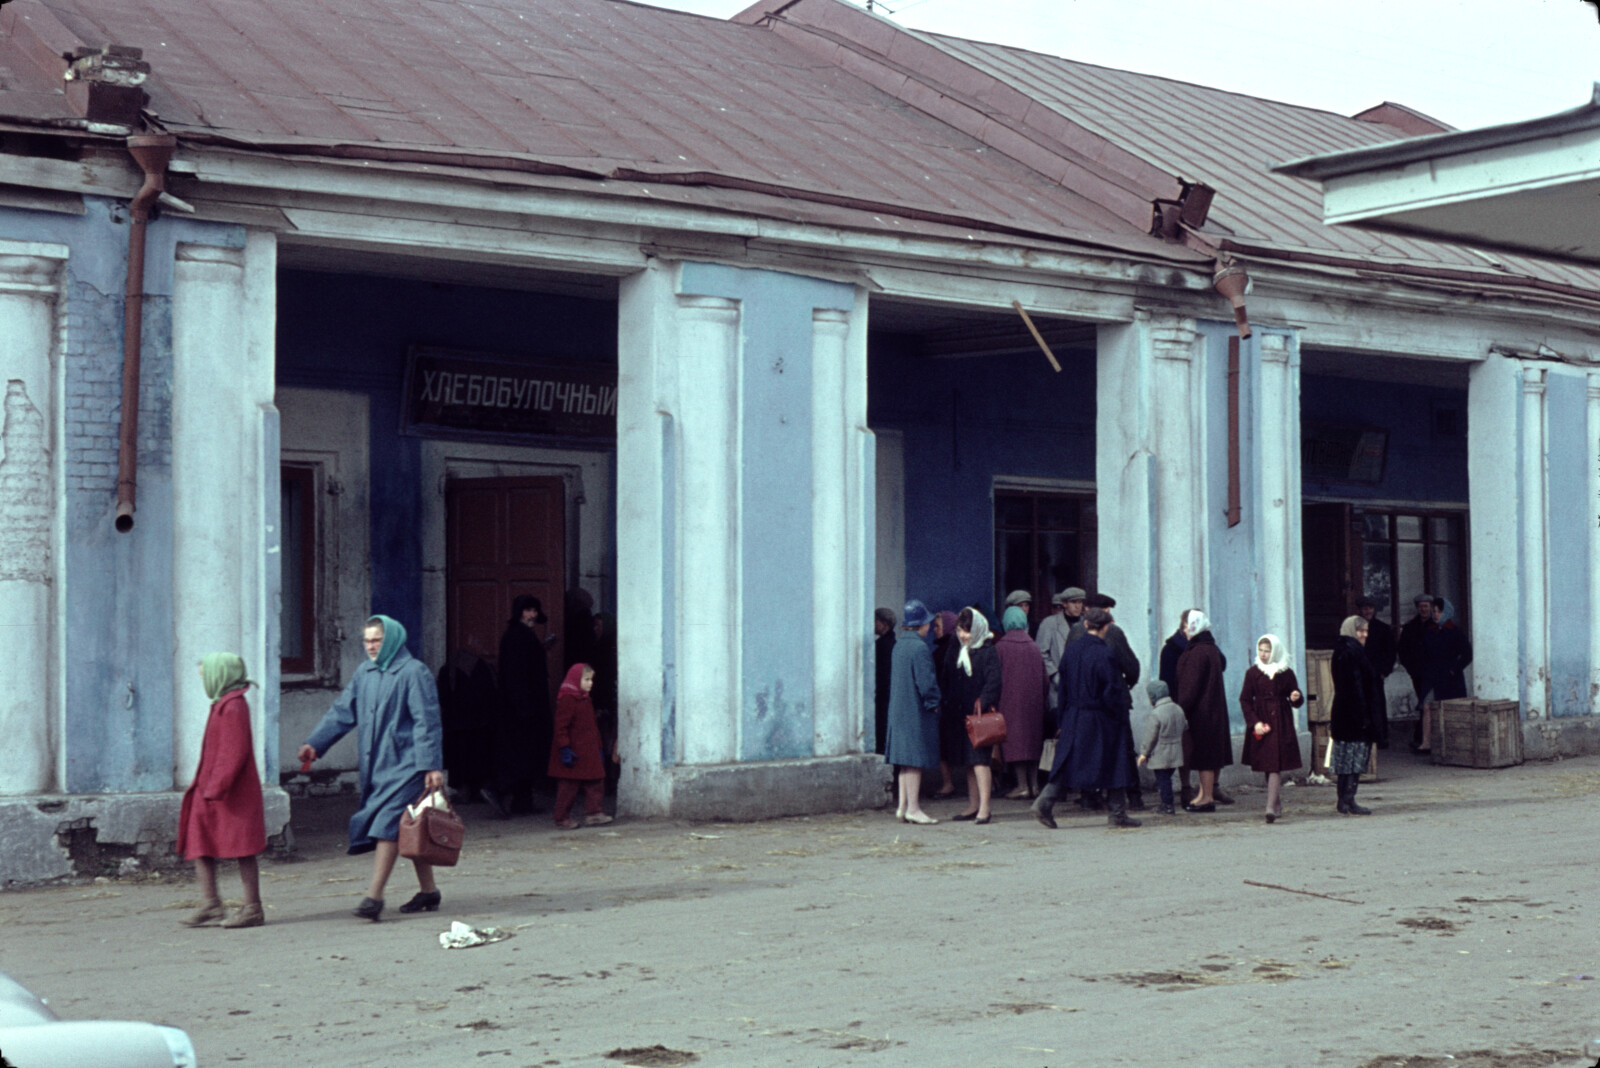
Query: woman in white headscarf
point(975, 684)
point(1270, 695)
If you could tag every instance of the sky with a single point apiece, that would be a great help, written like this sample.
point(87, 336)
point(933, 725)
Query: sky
point(1467, 63)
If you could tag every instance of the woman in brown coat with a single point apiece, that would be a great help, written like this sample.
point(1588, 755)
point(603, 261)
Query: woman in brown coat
point(1270, 695)
point(1205, 703)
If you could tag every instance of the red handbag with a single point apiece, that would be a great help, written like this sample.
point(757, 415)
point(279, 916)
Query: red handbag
point(432, 833)
point(985, 728)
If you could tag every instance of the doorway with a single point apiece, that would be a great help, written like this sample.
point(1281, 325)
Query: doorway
point(504, 537)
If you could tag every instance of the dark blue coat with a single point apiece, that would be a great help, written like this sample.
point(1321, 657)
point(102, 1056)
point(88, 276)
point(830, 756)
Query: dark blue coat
point(1095, 751)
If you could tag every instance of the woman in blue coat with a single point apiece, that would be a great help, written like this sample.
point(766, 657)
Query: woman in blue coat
point(393, 706)
point(911, 741)
point(1096, 747)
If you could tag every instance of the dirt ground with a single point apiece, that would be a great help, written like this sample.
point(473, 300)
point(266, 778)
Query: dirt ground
point(1459, 928)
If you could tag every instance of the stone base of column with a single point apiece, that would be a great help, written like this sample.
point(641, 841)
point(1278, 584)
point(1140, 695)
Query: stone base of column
point(49, 838)
point(768, 789)
point(1551, 739)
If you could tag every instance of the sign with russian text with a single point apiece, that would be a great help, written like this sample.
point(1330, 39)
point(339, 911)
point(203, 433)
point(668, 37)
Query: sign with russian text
point(456, 394)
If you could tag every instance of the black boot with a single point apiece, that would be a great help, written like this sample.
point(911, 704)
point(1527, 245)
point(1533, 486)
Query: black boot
point(1135, 799)
point(1117, 809)
point(1350, 799)
point(1344, 795)
point(1044, 806)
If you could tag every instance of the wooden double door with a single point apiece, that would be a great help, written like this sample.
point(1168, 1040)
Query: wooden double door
point(504, 537)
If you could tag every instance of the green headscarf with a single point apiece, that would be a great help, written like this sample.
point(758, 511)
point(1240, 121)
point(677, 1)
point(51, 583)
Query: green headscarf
point(221, 672)
point(1014, 619)
point(394, 639)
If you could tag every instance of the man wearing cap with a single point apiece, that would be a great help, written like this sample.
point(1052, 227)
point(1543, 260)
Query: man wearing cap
point(1412, 650)
point(1380, 637)
point(1127, 662)
point(1024, 600)
point(1052, 637)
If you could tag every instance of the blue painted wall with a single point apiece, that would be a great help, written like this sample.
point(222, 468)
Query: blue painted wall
point(118, 698)
point(775, 321)
point(352, 332)
point(964, 422)
point(1420, 466)
point(1569, 453)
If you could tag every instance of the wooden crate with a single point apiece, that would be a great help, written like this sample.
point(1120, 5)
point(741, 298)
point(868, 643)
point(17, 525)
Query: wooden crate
point(1319, 685)
point(1478, 734)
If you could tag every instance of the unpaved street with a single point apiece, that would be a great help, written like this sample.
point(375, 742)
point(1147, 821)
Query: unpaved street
point(1467, 922)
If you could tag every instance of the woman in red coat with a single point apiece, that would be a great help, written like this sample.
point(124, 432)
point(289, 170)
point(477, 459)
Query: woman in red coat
point(575, 751)
point(222, 814)
point(1270, 695)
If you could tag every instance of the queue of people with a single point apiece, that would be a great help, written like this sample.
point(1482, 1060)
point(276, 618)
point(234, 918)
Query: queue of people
point(1065, 696)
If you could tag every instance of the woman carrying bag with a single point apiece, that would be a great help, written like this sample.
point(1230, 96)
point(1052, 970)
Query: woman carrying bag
point(975, 686)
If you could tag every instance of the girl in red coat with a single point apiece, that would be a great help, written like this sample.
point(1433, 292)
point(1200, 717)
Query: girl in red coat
point(222, 814)
point(575, 751)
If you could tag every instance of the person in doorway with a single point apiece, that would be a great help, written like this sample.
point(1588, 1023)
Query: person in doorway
point(1356, 716)
point(577, 628)
point(952, 728)
point(1380, 638)
point(222, 816)
point(575, 760)
point(1450, 652)
point(1022, 694)
point(524, 732)
point(1162, 746)
point(1268, 699)
point(604, 694)
point(1414, 650)
point(1020, 599)
point(469, 705)
point(975, 687)
point(1205, 704)
point(913, 732)
point(1095, 750)
point(393, 706)
point(882, 659)
point(1052, 639)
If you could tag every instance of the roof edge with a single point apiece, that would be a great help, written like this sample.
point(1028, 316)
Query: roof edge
point(1583, 118)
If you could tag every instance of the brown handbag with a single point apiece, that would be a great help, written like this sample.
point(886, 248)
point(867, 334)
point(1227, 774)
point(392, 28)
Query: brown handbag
point(434, 833)
point(985, 728)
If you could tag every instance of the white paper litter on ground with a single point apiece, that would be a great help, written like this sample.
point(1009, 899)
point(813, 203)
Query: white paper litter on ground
point(463, 936)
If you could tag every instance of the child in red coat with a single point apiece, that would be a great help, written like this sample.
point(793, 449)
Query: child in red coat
point(222, 814)
point(575, 751)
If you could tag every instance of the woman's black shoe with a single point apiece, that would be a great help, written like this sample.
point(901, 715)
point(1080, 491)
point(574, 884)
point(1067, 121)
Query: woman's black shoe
point(423, 902)
point(964, 816)
point(1209, 806)
point(369, 909)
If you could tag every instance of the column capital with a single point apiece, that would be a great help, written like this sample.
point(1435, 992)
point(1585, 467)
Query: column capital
point(1275, 348)
point(1533, 379)
point(1172, 336)
point(29, 274)
point(1594, 385)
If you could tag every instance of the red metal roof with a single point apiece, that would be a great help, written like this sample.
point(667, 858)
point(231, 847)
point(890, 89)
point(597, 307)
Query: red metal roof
point(578, 87)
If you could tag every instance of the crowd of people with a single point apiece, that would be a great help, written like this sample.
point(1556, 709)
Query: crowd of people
point(1064, 694)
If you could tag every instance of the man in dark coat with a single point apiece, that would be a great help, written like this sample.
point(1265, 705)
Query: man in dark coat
point(1380, 638)
point(522, 741)
point(1095, 750)
point(883, 622)
point(1128, 663)
point(1412, 650)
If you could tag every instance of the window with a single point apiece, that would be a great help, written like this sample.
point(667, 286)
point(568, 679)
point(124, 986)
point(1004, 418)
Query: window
point(298, 524)
point(1404, 553)
point(1043, 542)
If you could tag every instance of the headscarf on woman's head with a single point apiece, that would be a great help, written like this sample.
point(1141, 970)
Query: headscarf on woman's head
point(394, 640)
point(947, 623)
point(521, 603)
point(1014, 619)
point(1351, 624)
point(1197, 624)
point(572, 684)
point(1443, 611)
point(975, 637)
point(1277, 655)
point(222, 672)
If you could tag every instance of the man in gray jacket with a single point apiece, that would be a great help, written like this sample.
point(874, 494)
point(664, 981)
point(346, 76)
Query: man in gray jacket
point(1052, 637)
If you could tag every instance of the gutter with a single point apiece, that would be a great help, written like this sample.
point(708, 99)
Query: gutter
point(152, 152)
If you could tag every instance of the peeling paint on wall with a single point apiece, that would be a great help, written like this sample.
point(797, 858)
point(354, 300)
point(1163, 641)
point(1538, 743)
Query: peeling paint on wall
point(24, 490)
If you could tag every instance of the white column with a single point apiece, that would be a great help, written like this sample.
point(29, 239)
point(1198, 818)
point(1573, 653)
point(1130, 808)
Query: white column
point(261, 540)
point(29, 285)
point(1594, 531)
point(1177, 394)
point(1278, 483)
point(1535, 557)
point(1494, 481)
point(860, 523)
point(212, 456)
point(832, 642)
point(708, 542)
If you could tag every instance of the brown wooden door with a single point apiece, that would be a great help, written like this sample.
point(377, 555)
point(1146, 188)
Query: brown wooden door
point(504, 537)
point(1328, 547)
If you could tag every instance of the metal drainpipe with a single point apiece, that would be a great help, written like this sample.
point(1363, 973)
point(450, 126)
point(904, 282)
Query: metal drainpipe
point(152, 152)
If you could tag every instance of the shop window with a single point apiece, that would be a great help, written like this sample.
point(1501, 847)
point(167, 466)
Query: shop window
point(298, 526)
point(1043, 542)
point(1404, 553)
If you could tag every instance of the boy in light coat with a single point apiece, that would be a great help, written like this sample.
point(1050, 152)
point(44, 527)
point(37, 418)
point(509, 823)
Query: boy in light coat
point(1161, 747)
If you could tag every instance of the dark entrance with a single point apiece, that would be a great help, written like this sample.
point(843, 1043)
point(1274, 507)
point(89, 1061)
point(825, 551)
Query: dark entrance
point(504, 537)
point(1043, 543)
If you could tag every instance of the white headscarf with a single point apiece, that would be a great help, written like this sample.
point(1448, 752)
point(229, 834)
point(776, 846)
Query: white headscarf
point(1197, 622)
point(1277, 656)
point(976, 637)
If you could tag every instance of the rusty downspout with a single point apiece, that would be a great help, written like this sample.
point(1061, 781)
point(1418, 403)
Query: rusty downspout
point(152, 152)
